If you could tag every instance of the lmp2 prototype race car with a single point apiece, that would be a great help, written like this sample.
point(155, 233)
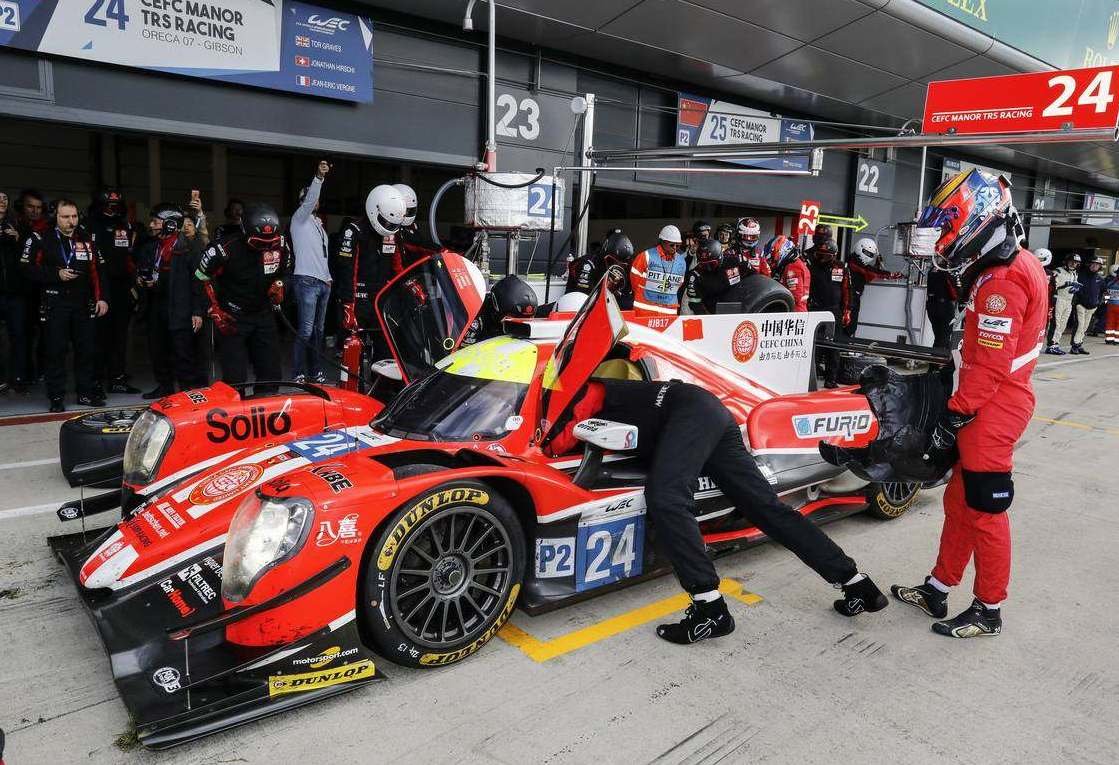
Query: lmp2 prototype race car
point(282, 574)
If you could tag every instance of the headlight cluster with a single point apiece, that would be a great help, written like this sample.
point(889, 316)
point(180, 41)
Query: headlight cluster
point(147, 443)
point(264, 532)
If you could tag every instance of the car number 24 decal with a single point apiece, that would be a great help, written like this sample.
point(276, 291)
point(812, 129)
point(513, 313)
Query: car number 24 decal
point(604, 552)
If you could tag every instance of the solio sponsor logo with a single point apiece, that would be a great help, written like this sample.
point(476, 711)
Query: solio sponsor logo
point(225, 484)
point(845, 424)
point(419, 511)
point(258, 423)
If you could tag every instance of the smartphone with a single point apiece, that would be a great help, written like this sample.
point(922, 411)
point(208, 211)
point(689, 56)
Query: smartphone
point(195, 196)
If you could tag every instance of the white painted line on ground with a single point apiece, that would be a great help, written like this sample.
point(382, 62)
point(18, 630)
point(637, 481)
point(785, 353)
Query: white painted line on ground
point(31, 463)
point(1050, 364)
point(23, 512)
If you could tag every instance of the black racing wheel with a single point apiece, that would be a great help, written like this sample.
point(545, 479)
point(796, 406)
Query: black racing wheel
point(95, 436)
point(891, 500)
point(443, 576)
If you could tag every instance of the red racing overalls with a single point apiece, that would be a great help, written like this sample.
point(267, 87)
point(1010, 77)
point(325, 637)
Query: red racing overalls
point(1003, 334)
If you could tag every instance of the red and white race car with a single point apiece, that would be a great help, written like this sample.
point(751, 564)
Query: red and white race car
point(282, 574)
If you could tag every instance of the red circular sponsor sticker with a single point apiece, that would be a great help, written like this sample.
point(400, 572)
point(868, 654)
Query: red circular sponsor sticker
point(744, 341)
point(224, 484)
point(995, 303)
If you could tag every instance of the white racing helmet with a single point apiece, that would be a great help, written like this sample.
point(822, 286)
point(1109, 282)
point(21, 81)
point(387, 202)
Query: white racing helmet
point(670, 234)
point(866, 250)
point(571, 302)
point(385, 209)
point(1044, 255)
point(411, 202)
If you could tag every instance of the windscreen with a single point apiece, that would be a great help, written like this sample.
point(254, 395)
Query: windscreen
point(450, 407)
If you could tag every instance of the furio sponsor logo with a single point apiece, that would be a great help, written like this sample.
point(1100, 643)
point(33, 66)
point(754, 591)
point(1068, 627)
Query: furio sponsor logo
point(326, 657)
point(845, 424)
point(440, 659)
point(225, 483)
point(258, 423)
point(457, 496)
point(312, 681)
point(744, 341)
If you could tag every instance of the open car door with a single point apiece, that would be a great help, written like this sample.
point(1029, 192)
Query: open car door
point(426, 310)
point(586, 343)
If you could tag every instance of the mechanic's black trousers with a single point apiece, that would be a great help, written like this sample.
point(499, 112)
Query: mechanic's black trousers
point(67, 322)
point(699, 437)
point(255, 341)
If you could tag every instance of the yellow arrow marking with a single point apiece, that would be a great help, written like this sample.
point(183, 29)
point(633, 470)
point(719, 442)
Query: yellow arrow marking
point(543, 650)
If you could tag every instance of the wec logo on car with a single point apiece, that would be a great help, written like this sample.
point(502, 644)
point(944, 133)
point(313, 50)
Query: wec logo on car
point(845, 424)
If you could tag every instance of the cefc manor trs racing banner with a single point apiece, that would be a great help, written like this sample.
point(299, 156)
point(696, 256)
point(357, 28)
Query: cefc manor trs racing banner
point(702, 121)
point(272, 44)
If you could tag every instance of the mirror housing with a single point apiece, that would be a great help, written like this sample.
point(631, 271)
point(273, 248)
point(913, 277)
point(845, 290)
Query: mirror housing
point(606, 434)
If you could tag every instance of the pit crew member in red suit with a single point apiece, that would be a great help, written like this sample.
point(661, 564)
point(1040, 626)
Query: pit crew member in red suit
point(971, 229)
point(789, 269)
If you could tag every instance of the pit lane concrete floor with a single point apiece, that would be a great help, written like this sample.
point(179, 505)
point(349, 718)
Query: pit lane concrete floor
point(795, 682)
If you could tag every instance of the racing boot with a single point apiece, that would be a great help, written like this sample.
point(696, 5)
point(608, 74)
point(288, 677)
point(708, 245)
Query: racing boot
point(976, 621)
point(57, 405)
point(158, 392)
point(860, 596)
point(1055, 350)
point(120, 385)
point(91, 399)
point(925, 597)
point(702, 620)
point(1078, 350)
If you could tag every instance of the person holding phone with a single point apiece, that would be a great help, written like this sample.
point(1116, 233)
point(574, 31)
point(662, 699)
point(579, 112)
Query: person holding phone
point(67, 265)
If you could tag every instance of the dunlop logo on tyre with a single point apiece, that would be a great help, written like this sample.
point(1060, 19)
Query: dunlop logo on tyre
point(419, 511)
point(441, 659)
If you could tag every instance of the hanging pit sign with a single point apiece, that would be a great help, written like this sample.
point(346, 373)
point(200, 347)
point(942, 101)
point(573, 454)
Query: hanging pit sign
point(704, 121)
point(1075, 99)
point(275, 44)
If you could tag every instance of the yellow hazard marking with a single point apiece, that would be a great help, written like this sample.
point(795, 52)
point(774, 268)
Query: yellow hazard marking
point(543, 650)
point(1077, 425)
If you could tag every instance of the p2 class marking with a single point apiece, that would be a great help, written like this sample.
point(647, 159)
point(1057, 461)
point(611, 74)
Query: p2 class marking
point(543, 650)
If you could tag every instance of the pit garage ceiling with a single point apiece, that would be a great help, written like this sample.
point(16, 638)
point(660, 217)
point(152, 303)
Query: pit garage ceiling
point(858, 61)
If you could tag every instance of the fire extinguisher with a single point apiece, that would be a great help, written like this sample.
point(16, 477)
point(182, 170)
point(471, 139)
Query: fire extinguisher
point(350, 375)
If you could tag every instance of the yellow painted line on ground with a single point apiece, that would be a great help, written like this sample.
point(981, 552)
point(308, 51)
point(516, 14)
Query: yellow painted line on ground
point(1078, 426)
point(543, 650)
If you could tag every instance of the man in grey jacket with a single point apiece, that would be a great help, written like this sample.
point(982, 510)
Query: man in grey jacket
point(311, 281)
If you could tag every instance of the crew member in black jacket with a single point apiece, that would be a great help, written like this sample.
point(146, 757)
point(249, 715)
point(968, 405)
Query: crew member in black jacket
point(115, 240)
point(65, 262)
point(243, 279)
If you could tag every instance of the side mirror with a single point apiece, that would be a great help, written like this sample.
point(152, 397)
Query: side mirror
point(608, 435)
point(599, 436)
point(388, 369)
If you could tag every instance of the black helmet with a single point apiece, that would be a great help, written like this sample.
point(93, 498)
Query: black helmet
point(512, 298)
point(617, 248)
point(709, 254)
point(823, 233)
point(699, 226)
point(169, 216)
point(109, 202)
point(262, 226)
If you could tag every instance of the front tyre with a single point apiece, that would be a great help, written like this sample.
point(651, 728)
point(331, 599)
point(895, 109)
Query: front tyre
point(443, 576)
point(891, 500)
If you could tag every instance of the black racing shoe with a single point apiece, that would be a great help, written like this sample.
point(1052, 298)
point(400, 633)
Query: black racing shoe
point(1078, 350)
point(120, 385)
point(863, 595)
point(925, 597)
point(91, 399)
point(701, 621)
point(57, 405)
point(976, 621)
point(159, 392)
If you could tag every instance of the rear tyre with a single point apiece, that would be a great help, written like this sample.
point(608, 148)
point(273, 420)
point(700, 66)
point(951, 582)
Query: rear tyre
point(761, 294)
point(888, 501)
point(443, 576)
point(95, 436)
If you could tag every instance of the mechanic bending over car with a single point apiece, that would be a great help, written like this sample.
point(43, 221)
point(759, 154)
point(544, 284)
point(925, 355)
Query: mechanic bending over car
point(683, 431)
point(993, 401)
